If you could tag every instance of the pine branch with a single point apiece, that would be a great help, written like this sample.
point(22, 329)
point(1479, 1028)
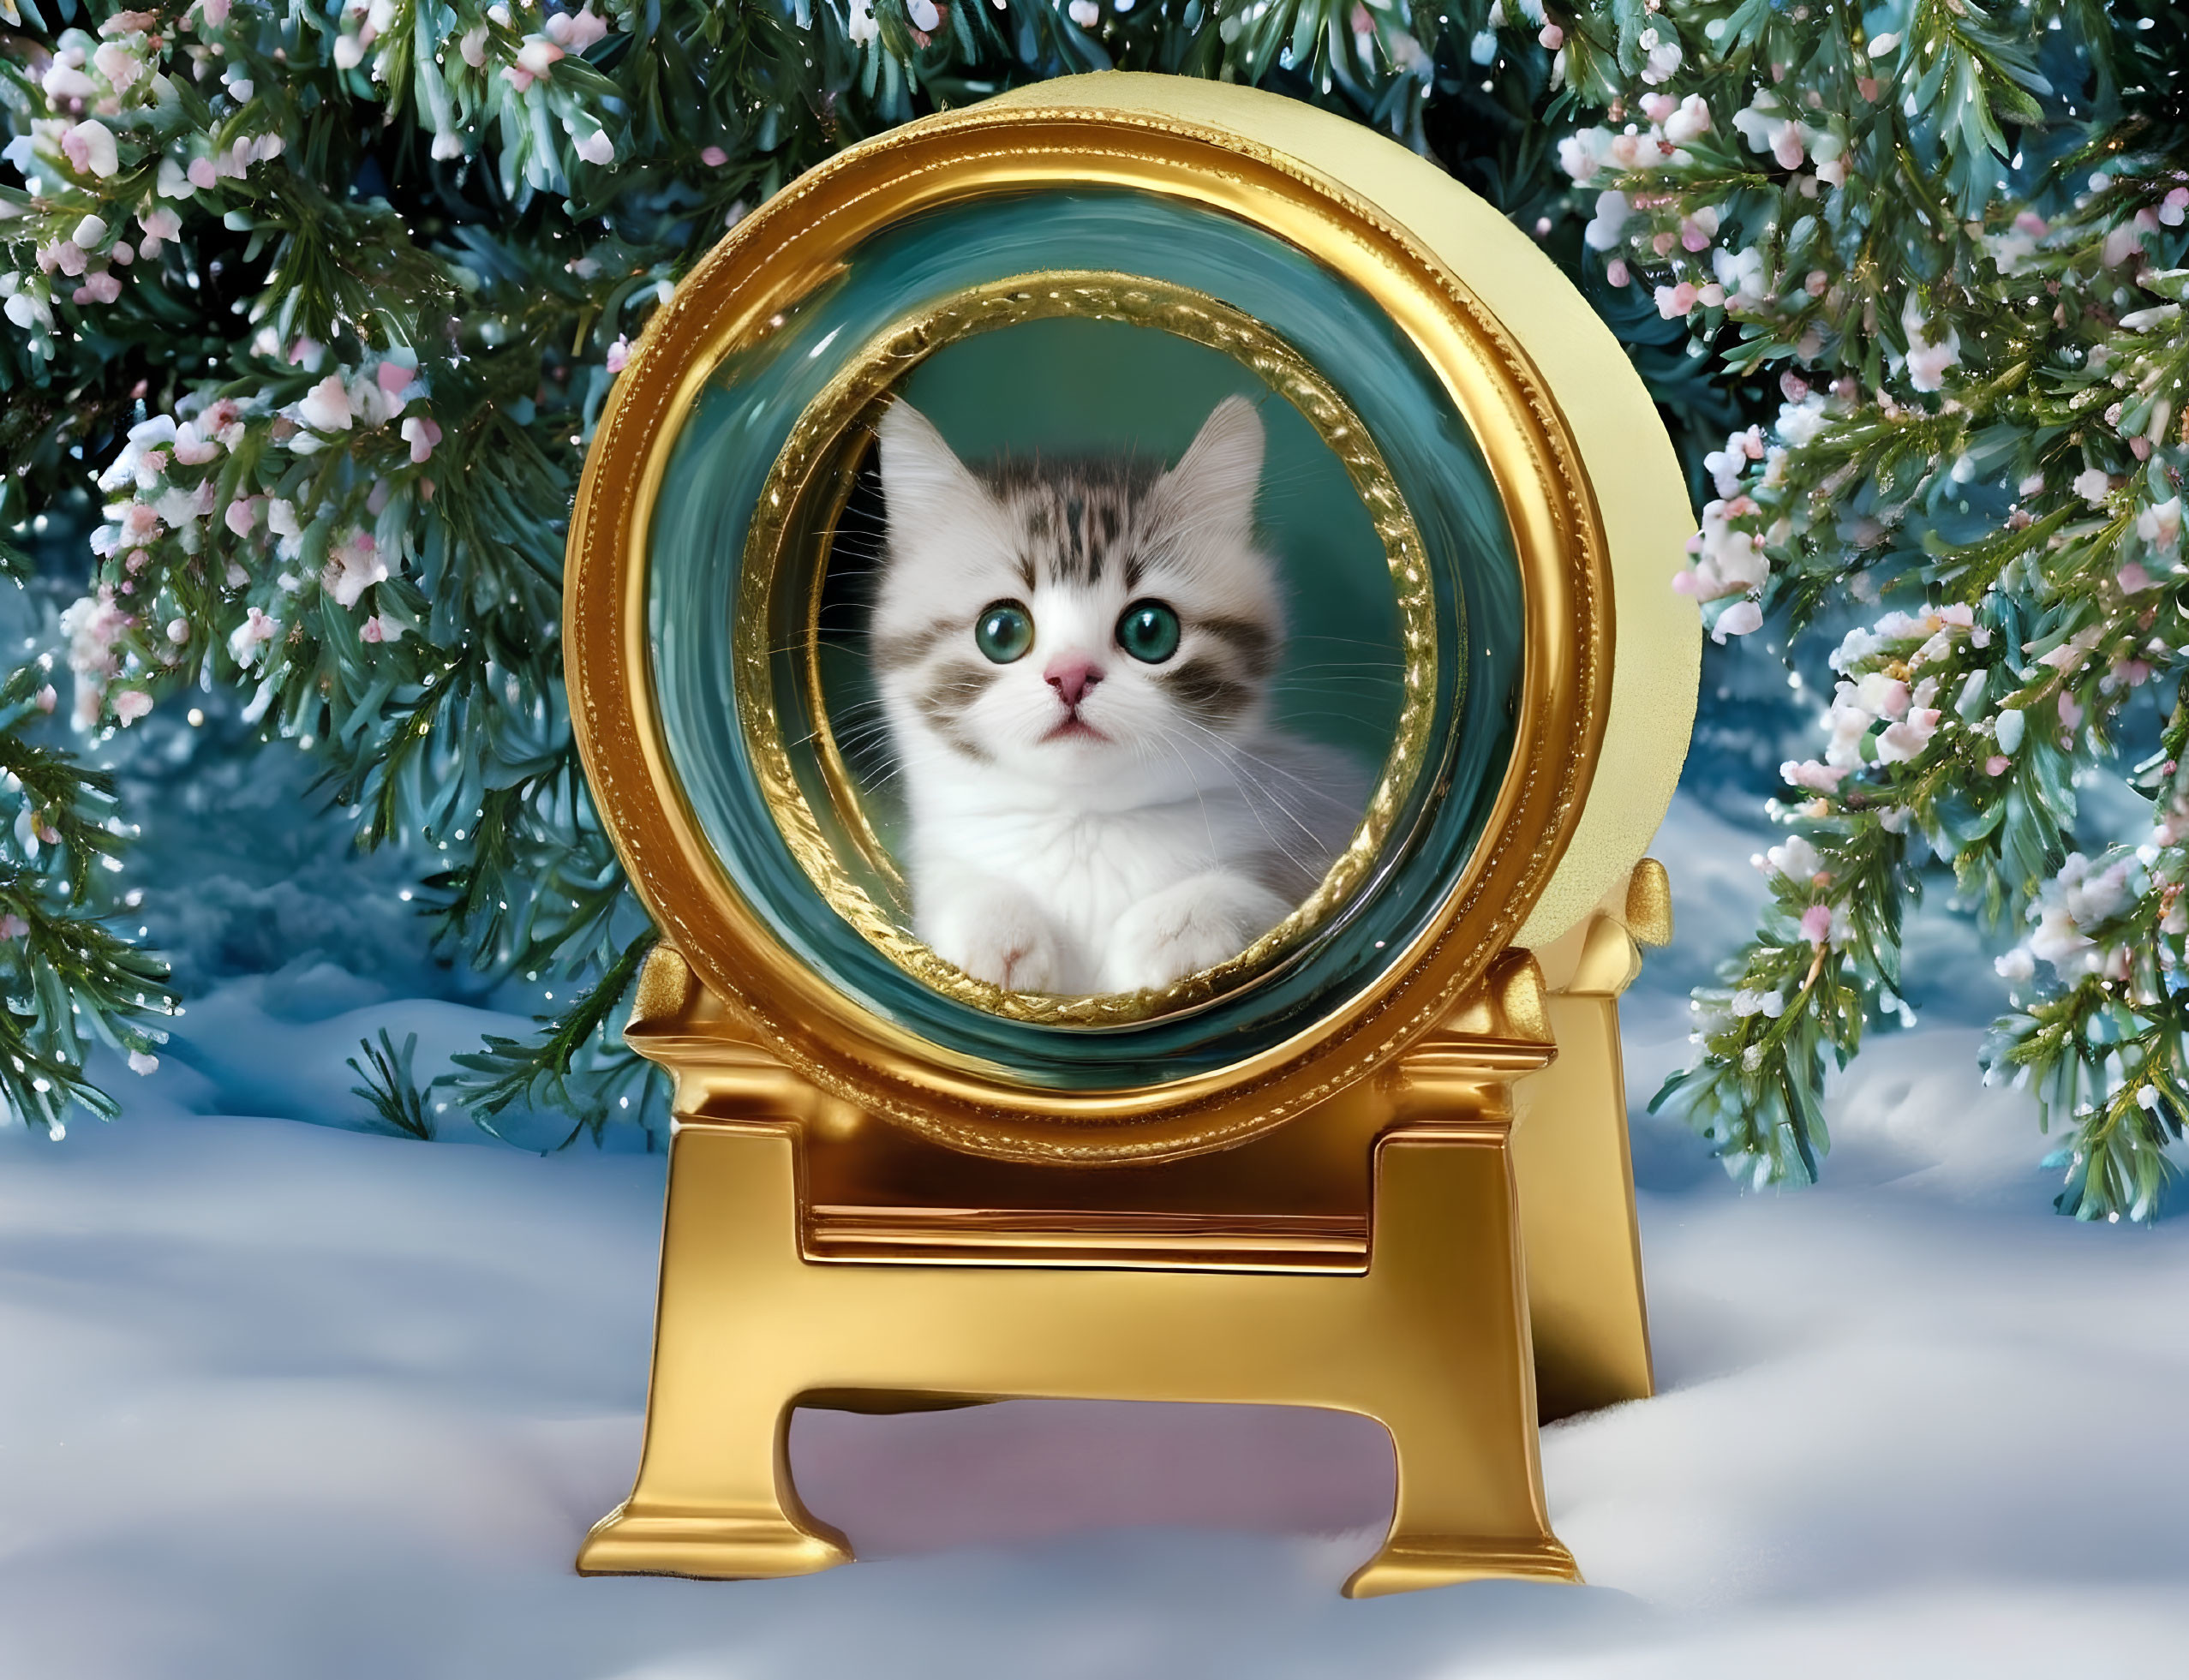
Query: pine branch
point(577, 1066)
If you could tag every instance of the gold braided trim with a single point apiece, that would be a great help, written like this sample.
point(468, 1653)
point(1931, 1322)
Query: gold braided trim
point(817, 454)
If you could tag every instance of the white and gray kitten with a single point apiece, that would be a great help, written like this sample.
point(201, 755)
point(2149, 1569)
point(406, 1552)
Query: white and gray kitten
point(1075, 661)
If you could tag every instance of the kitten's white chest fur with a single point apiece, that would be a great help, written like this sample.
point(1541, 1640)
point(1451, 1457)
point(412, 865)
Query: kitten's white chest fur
point(1075, 663)
point(994, 866)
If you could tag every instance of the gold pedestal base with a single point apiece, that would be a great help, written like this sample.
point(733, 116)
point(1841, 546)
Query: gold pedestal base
point(1365, 1258)
point(1430, 1338)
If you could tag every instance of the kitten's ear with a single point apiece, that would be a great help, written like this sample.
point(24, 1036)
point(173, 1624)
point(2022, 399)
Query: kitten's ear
point(1219, 476)
point(924, 483)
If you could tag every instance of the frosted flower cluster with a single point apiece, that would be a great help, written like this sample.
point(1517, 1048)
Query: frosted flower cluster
point(169, 509)
point(1886, 707)
point(2069, 909)
point(100, 92)
point(503, 76)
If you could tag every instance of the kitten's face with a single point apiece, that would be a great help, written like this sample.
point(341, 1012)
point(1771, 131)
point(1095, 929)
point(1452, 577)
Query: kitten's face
point(1091, 626)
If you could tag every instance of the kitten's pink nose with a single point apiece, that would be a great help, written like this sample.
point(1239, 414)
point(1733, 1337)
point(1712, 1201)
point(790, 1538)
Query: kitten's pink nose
point(1073, 677)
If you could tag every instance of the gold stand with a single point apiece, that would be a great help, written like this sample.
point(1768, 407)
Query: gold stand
point(1575, 1171)
point(1365, 1258)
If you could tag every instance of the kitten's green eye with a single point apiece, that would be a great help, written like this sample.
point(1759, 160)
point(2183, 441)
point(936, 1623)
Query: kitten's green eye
point(1149, 632)
point(1003, 631)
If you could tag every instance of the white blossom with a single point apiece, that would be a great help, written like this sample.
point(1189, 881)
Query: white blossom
point(1604, 233)
point(353, 565)
point(326, 406)
point(1927, 359)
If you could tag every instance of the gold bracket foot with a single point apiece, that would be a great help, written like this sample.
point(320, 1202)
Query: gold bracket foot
point(713, 1547)
point(1423, 1561)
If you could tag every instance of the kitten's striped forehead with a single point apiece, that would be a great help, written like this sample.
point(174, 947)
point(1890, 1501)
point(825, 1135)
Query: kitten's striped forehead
point(1075, 524)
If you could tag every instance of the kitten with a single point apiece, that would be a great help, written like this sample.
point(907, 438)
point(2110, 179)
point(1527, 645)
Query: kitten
point(1074, 661)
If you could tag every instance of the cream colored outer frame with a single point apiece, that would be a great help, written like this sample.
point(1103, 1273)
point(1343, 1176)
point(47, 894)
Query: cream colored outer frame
point(1657, 667)
point(1254, 154)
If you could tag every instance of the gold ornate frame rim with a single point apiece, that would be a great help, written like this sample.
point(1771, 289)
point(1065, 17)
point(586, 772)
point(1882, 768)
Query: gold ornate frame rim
point(792, 244)
point(812, 447)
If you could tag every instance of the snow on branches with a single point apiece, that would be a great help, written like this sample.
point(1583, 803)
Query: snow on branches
point(1983, 374)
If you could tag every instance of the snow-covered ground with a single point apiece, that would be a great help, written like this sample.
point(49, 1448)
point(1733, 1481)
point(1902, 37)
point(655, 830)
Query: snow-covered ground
point(292, 1401)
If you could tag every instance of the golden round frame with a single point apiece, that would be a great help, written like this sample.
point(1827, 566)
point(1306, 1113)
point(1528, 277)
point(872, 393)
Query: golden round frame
point(1179, 139)
point(815, 455)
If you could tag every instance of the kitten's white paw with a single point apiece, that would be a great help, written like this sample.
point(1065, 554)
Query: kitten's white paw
point(1006, 943)
point(1184, 929)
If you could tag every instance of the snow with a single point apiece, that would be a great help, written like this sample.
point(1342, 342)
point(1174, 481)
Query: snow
point(292, 1401)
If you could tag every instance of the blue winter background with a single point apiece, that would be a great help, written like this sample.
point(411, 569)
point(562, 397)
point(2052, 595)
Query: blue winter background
point(283, 1395)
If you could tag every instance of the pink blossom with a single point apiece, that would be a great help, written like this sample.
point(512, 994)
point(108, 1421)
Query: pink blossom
point(618, 355)
point(252, 635)
point(1998, 764)
point(576, 30)
point(1551, 36)
point(1691, 122)
point(192, 447)
point(2133, 578)
point(159, 223)
point(215, 12)
point(534, 60)
point(422, 435)
point(1816, 923)
point(243, 515)
point(1818, 778)
point(222, 422)
point(89, 148)
point(1674, 301)
point(1616, 274)
point(139, 523)
point(2071, 715)
point(597, 148)
point(714, 157)
point(103, 287)
point(354, 566)
point(130, 704)
point(46, 699)
point(326, 406)
point(201, 173)
point(1907, 740)
point(380, 628)
point(2122, 241)
point(13, 926)
point(121, 67)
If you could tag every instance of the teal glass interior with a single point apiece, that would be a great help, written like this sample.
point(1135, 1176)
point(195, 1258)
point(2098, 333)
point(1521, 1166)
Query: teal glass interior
point(735, 429)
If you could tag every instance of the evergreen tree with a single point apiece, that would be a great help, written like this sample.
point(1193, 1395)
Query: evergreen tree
point(313, 307)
